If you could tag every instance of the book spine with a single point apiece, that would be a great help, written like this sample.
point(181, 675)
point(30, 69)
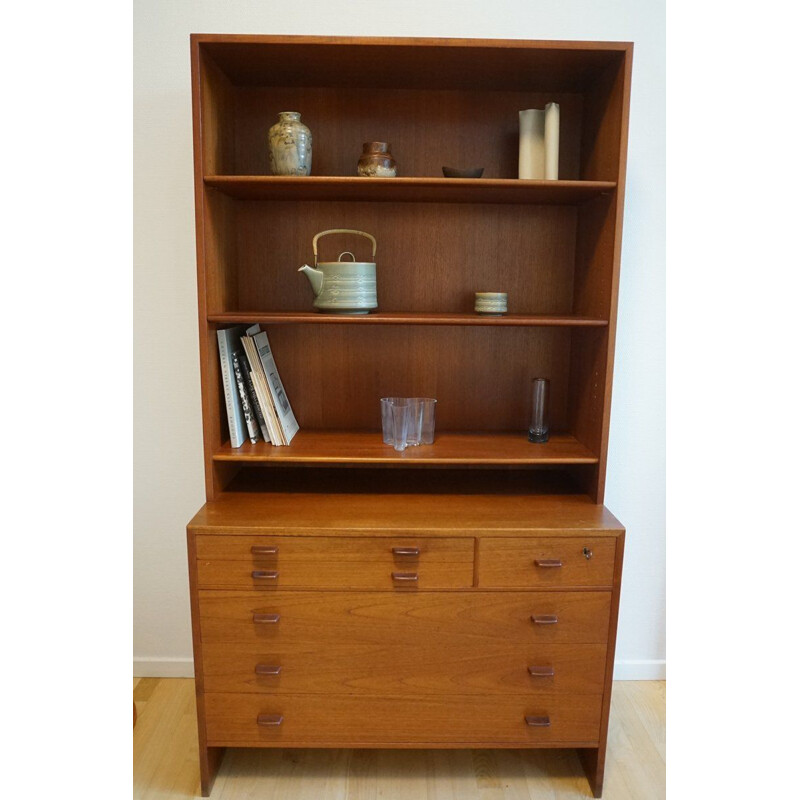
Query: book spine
point(234, 429)
point(257, 375)
point(254, 404)
point(283, 408)
point(249, 415)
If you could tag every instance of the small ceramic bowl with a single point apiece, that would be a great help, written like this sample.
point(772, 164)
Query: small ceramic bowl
point(491, 303)
point(452, 172)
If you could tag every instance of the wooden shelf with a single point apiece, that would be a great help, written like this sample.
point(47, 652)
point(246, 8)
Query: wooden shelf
point(359, 447)
point(405, 318)
point(414, 190)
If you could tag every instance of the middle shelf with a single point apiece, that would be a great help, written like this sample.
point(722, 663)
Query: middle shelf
point(406, 318)
point(360, 447)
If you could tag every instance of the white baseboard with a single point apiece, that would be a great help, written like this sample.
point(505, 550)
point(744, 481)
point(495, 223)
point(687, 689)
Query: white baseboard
point(163, 668)
point(640, 670)
point(630, 670)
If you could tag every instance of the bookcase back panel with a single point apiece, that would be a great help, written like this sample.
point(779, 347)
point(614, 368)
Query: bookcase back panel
point(413, 64)
point(426, 129)
point(430, 257)
point(335, 375)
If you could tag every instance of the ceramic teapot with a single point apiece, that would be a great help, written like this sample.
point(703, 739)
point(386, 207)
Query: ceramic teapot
point(343, 287)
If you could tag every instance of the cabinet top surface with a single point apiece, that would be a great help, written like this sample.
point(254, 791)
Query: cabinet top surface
point(443, 514)
point(406, 41)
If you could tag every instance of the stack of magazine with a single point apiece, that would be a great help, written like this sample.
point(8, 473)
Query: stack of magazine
point(258, 407)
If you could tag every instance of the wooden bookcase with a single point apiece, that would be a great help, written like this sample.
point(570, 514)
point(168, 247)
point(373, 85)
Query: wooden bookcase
point(554, 246)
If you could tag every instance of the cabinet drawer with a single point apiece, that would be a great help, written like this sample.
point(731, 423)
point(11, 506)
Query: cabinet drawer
point(473, 619)
point(260, 562)
point(546, 562)
point(351, 721)
point(457, 668)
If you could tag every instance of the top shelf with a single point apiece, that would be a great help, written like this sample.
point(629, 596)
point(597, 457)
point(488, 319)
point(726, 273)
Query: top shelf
point(414, 190)
point(403, 63)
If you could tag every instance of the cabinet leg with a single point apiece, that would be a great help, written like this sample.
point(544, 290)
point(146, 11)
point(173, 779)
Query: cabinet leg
point(210, 758)
point(594, 761)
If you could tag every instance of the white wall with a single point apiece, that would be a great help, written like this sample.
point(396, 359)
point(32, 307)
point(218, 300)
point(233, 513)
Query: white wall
point(168, 450)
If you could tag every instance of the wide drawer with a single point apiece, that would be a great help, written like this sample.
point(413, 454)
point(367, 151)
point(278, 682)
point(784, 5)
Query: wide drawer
point(341, 562)
point(353, 721)
point(554, 562)
point(331, 667)
point(470, 619)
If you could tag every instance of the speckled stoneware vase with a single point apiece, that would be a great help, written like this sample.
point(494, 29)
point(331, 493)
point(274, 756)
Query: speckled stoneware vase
point(289, 145)
point(376, 161)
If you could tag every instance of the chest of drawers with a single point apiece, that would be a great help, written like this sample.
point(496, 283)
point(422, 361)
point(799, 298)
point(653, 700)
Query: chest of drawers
point(334, 628)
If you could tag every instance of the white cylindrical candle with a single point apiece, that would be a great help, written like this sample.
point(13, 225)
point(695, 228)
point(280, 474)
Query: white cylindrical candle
point(531, 144)
point(552, 125)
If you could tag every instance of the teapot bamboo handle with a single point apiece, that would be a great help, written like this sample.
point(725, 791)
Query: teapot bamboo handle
point(343, 230)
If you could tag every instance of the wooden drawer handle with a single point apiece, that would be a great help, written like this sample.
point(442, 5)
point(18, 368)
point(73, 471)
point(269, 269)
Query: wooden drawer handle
point(542, 721)
point(405, 577)
point(544, 619)
point(268, 669)
point(541, 672)
point(269, 619)
point(270, 720)
point(264, 550)
point(548, 562)
point(265, 574)
point(405, 551)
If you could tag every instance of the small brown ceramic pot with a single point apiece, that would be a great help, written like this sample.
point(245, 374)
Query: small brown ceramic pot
point(376, 161)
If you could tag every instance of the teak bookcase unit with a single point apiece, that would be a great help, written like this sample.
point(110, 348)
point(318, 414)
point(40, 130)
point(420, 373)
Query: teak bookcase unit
point(461, 594)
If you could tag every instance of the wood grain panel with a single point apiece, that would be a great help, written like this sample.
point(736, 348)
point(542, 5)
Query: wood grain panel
point(357, 552)
point(362, 510)
point(478, 619)
point(390, 61)
point(430, 256)
point(335, 562)
point(334, 574)
point(353, 721)
point(336, 667)
point(533, 562)
point(359, 447)
point(422, 190)
point(335, 375)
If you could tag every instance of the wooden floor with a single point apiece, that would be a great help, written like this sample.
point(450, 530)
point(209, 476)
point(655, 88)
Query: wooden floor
point(165, 760)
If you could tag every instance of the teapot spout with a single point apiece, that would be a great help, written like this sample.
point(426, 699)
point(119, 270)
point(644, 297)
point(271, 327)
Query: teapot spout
point(314, 276)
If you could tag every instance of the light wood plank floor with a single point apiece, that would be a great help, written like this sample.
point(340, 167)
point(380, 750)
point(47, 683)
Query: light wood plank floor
point(165, 760)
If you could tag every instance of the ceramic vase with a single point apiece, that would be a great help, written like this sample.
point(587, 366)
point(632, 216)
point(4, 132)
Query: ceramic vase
point(376, 161)
point(289, 145)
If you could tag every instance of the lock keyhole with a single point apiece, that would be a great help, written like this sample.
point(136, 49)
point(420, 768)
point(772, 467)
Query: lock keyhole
point(587, 553)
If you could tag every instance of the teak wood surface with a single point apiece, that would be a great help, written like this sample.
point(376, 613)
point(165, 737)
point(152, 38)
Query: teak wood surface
point(478, 619)
point(483, 498)
point(427, 667)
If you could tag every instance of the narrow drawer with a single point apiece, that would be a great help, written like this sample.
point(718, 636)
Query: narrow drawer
point(557, 562)
point(340, 562)
point(472, 620)
point(351, 721)
point(332, 667)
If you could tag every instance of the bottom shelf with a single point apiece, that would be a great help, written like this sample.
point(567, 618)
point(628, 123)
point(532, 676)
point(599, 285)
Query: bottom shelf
point(359, 447)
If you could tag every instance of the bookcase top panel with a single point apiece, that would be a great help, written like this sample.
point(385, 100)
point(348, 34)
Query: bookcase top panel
point(410, 63)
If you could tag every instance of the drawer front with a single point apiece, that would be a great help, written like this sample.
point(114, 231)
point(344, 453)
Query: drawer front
point(536, 563)
point(473, 620)
point(351, 721)
point(260, 562)
point(395, 669)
